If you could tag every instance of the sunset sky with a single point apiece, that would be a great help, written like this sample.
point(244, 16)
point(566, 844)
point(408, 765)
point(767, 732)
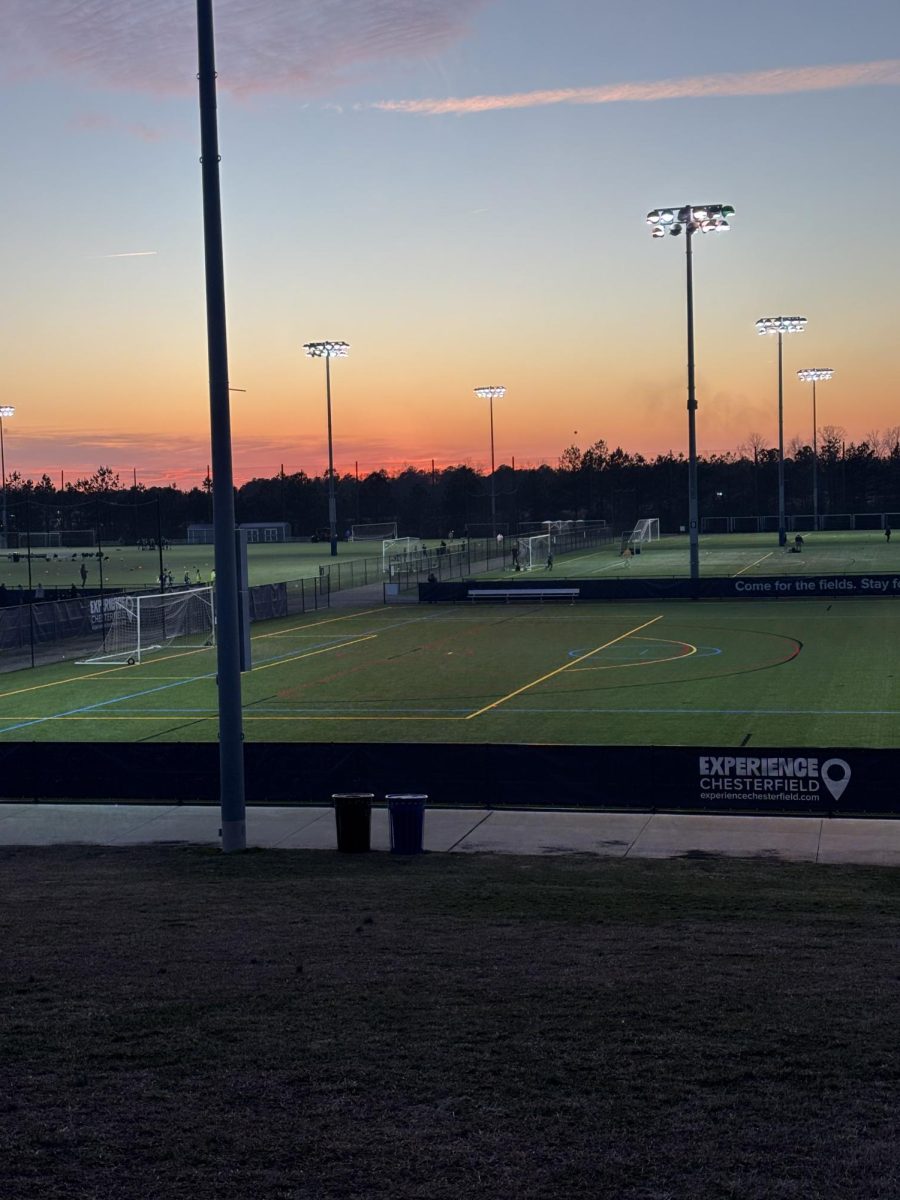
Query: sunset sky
point(458, 190)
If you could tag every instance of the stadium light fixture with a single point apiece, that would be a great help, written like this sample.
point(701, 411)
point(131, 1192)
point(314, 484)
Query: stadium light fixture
point(780, 326)
point(6, 410)
point(691, 219)
point(328, 351)
point(814, 375)
point(491, 393)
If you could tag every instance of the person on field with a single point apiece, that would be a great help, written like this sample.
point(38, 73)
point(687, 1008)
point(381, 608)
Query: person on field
point(887, 533)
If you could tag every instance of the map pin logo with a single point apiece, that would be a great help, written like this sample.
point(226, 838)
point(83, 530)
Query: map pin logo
point(836, 775)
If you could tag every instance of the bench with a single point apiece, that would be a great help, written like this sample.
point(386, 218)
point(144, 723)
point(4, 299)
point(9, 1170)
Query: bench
point(539, 594)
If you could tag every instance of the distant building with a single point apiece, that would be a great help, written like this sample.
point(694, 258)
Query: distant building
point(257, 531)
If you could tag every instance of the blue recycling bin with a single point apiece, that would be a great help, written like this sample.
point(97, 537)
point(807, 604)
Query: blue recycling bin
point(406, 813)
point(353, 819)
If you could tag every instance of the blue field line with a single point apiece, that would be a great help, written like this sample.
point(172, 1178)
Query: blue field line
point(711, 712)
point(87, 708)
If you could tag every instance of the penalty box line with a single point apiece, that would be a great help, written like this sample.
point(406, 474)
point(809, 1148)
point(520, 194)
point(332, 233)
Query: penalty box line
point(565, 667)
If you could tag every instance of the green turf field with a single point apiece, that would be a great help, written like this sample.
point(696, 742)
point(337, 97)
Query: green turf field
point(127, 567)
point(830, 553)
point(720, 554)
point(741, 673)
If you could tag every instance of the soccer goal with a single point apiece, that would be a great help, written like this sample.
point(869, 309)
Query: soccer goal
point(138, 624)
point(646, 530)
point(37, 541)
point(399, 551)
point(533, 551)
point(373, 533)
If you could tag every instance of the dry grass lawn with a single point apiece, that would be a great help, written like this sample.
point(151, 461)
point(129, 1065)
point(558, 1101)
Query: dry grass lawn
point(292, 1025)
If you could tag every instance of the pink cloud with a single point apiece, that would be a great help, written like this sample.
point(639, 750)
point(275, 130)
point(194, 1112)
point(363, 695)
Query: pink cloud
point(777, 82)
point(282, 45)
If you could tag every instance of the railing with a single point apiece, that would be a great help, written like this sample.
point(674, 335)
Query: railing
point(800, 522)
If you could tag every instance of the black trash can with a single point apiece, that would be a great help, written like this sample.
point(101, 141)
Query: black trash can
point(407, 821)
point(353, 819)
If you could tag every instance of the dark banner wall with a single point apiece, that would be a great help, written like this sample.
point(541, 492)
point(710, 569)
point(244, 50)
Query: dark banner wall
point(637, 588)
point(703, 779)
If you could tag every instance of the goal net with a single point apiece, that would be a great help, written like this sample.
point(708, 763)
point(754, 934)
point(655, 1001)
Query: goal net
point(138, 624)
point(373, 533)
point(646, 530)
point(533, 551)
point(37, 541)
point(397, 552)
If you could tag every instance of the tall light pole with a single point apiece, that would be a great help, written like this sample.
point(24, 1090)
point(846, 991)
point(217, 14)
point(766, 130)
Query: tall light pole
point(6, 410)
point(781, 326)
point(328, 351)
point(813, 375)
point(228, 659)
point(492, 393)
point(707, 218)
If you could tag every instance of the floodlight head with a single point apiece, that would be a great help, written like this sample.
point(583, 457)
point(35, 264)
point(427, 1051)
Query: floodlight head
point(326, 349)
point(490, 393)
point(657, 231)
point(707, 218)
point(814, 374)
point(7, 410)
point(780, 325)
point(675, 229)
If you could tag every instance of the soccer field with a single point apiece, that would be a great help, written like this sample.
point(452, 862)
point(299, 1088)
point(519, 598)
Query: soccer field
point(738, 554)
point(128, 567)
point(736, 673)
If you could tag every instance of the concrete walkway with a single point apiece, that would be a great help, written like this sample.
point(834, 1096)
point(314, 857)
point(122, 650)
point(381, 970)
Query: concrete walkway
point(633, 835)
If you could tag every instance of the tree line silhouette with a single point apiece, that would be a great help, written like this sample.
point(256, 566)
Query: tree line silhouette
point(592, 484)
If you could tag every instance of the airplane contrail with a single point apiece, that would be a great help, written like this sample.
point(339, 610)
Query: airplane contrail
point(777, 82)
point(127, 254)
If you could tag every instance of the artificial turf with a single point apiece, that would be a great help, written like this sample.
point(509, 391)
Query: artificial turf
point(751, 673)
point(128, 567)
point(856, 552)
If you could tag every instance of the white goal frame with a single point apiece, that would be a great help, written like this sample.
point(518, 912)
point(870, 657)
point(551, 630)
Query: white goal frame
point(534, 551)
point(399, 551)
point(646, 530)
point(143, 623)
point(380, 532)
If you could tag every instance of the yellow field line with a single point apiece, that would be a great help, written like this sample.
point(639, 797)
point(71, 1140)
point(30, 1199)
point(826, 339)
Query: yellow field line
point(753, 564)
point(312, 625)
point(168, 717)
point(373, 717)
point(564, 667)
point(650, 662)
point(312, 653)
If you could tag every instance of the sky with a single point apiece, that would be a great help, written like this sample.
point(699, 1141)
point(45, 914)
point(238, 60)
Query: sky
point(459, 191)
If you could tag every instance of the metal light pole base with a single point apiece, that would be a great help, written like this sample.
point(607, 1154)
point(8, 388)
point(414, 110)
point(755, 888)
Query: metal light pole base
point(234, 836)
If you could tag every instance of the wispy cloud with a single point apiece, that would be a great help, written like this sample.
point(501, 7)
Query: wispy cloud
point(282, 45)
point(778, 82)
